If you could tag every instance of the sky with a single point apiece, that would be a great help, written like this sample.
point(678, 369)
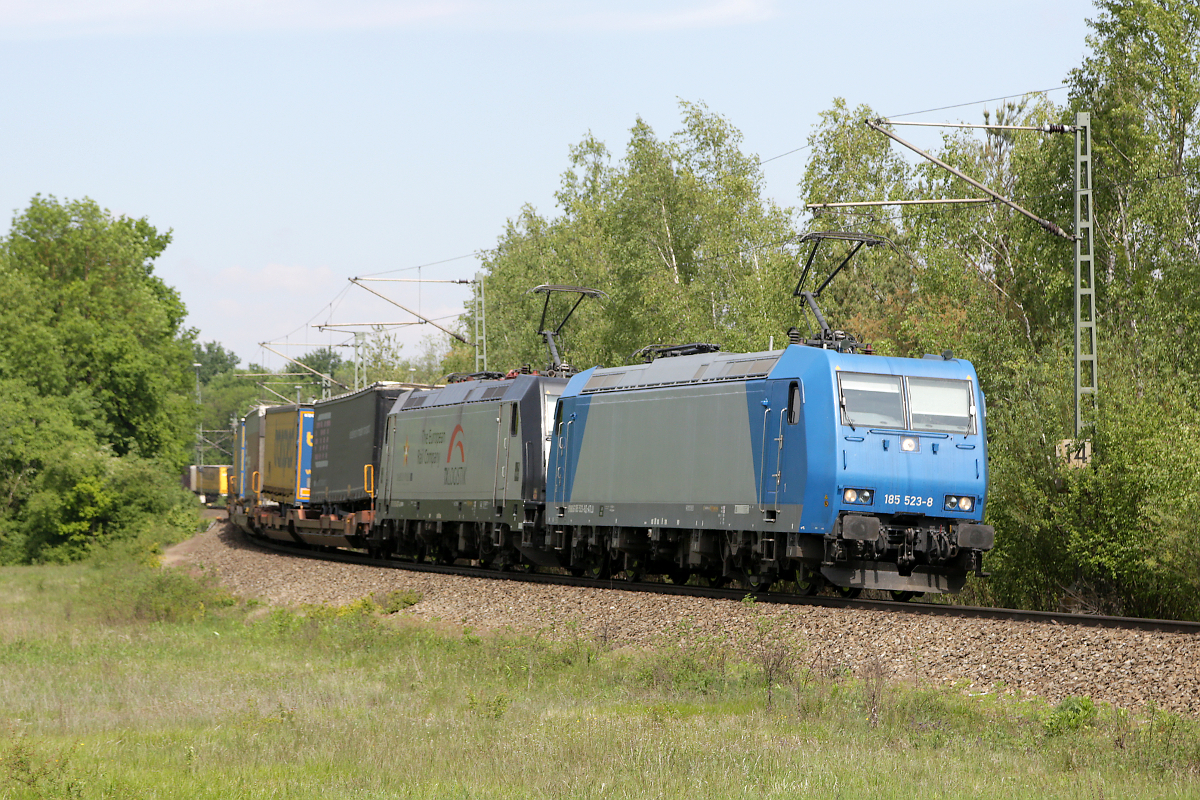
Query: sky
point(290, 145)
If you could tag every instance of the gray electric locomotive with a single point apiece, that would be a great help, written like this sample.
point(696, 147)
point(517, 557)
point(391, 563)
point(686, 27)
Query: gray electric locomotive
point(464, 471)
point(464, 466)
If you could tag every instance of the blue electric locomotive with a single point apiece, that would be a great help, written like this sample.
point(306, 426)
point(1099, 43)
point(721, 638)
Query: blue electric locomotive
point(807, 464)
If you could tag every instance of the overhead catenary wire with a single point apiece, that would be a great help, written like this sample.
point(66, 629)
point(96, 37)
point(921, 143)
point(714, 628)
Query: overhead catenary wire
point(979, 102)
point(485, 251)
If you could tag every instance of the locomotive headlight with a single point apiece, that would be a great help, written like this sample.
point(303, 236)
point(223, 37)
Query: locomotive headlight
point(959, 503)
point(910, 444)
point(857, 497)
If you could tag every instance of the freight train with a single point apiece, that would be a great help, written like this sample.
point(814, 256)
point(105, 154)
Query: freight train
point(819, 464)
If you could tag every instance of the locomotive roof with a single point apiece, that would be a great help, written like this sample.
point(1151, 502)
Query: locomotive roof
point(378, 386)
point(709, 368)
point(701, 368)
point(475, 392)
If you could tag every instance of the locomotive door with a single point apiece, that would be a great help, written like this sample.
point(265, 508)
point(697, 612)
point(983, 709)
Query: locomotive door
point(508, 455)
point(782, 409)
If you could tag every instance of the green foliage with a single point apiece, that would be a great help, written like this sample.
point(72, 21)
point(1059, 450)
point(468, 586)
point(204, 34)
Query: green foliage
point(227, 396)
point(37, 771)
point(86, 319)
point(1071, 715)
point(398, 600)
point(96, 388)
point(121, 591)
point(677, 233)
point(84, 499)
point(490, 709)
point(213, 360)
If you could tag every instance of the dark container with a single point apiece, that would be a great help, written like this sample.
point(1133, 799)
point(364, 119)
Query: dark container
point(347, 443)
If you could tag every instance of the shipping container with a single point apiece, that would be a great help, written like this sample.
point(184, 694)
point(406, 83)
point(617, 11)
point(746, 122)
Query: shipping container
point(286, 464)
point(347, 443)
point(254, 447)
point(214, 481)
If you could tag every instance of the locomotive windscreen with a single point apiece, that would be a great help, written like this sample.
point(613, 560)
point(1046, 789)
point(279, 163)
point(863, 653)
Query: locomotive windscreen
point(940, 405)
point(873, 400)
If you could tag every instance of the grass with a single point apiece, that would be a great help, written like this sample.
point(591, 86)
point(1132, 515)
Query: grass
point(120, 680)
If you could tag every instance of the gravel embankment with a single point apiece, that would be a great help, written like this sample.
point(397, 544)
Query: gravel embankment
point(1125, 668)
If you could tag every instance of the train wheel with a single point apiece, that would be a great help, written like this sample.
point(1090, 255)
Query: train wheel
point(903, 597)
point(756, 583)
point(598, 569)
point(679, 576)
point(634, 571)
point(808, 583)
point(849, 592)
point(718, 581)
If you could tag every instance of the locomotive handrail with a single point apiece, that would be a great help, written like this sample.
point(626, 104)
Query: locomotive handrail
point(919, 434)
point(779, 458)
point(560, 469)
point(496, 463)
point(369, 480)
point(762, 460)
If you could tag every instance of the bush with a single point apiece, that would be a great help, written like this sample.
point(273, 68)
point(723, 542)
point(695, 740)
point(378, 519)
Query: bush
point(127, 592)
point(1072, 714)
point(87, 498)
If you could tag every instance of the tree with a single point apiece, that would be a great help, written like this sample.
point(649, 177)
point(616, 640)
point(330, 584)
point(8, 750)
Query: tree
point(1120, 534)
point(213, 360)
point(96, 385)
point(86, 319)
point(679, 236)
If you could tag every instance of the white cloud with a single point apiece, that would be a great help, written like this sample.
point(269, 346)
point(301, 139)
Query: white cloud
point(66, 18)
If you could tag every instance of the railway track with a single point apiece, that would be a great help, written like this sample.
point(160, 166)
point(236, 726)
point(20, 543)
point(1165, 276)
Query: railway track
point(737, 594)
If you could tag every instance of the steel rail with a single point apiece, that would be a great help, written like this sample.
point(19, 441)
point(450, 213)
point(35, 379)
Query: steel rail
point(735, 595)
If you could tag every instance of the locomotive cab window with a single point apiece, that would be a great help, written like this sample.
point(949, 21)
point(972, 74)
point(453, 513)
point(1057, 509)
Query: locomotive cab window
point(795, 401)
point(940, 405)
point(515, 422)
point(871, 400)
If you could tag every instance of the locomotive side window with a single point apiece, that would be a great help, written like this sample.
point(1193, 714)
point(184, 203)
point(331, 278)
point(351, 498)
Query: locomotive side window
point(516, 420)
point(871, 400)
point(940, 405)
point(795, 401)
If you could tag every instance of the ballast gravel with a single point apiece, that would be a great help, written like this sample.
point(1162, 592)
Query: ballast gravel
point(1129, 669)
